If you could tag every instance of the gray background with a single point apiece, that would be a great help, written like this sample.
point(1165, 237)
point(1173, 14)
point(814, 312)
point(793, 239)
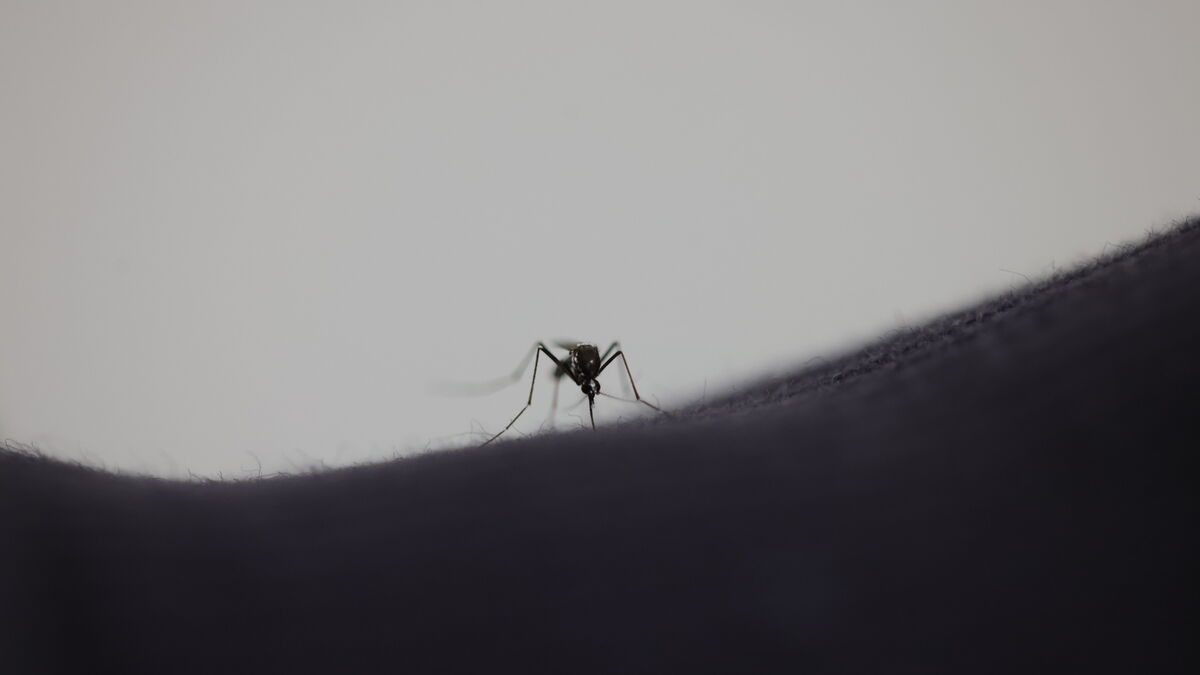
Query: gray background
point(244, 233)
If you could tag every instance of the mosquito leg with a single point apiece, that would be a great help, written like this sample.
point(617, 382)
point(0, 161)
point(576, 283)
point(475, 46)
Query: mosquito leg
point(558, 376)
point(615, 345)
point(541, 348)
point(631, 382)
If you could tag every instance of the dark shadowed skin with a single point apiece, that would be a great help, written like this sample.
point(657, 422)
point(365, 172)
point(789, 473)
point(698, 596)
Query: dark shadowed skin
point(583, 363)
point(1009, 488)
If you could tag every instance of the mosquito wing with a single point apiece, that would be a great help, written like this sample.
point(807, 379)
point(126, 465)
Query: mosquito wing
point(482, 388)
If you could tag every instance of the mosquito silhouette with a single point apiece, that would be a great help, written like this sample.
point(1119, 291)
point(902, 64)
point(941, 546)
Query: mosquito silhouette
point(583, 363)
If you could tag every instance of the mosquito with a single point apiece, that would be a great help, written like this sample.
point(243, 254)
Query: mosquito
point(583, 363)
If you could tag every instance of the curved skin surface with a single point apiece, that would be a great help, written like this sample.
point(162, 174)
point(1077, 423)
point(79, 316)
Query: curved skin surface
point(1004, 489)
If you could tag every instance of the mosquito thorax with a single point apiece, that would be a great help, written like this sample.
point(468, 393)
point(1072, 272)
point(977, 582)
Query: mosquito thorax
point(585, 361)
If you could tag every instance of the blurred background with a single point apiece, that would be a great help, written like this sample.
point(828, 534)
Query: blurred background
point(247, 236)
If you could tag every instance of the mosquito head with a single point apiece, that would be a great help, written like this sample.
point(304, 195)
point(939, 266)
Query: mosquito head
point(590, 388)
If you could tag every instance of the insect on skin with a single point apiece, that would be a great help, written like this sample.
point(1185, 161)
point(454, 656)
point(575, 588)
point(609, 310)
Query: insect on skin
point(583, 363)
